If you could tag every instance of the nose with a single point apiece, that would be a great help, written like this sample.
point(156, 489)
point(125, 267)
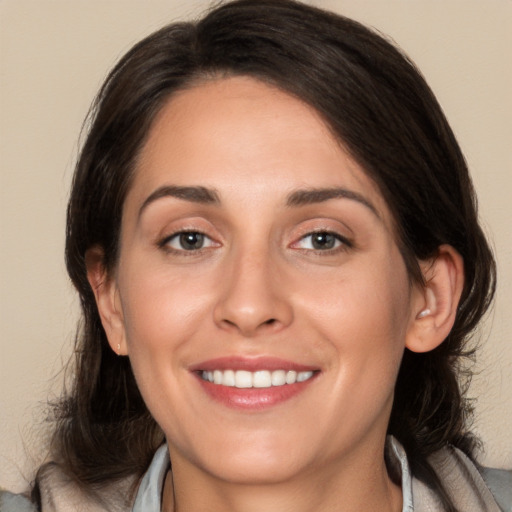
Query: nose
point(252, 299)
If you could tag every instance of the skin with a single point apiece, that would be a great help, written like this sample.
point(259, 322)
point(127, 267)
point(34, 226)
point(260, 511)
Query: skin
point(258, 287)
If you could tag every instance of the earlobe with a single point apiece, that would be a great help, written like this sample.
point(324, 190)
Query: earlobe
point(107, 299)
point(435, 305)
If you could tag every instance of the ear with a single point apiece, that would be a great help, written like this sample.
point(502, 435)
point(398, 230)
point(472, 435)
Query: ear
point(107, 299)
point(435, 304)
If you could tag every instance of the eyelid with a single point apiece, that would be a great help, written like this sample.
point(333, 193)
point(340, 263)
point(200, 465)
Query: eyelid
point(342, 242)
point(164, 242)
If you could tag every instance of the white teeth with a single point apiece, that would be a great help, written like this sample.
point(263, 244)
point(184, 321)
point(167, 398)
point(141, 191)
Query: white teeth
point(261, 379)
point(228, 378)
point(258, 379)
point(243, 379)
point(217, 377)
point(278, 378)
point(302, 376)
point(291, 377)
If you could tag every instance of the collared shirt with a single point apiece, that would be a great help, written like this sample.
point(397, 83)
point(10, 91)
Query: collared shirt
point(150, 491)
point(473, 489)
point(470, 487)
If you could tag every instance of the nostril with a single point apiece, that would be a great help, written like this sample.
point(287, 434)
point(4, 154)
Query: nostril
point(270, 321)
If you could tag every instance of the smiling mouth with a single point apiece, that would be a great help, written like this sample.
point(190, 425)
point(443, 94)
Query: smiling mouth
point(243, 379)
point(253, 384)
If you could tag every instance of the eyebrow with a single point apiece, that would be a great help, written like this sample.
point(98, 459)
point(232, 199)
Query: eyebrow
point(320, 195)
point(303, 197)
point(194, 194)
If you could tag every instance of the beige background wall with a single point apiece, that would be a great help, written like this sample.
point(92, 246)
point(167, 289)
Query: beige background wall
point(54, 55)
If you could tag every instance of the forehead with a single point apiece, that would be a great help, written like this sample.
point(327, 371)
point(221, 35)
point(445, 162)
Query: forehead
point(239, 132)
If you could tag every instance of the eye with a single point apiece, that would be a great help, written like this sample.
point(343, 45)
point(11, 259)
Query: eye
point(321, 241)
point(188, 241)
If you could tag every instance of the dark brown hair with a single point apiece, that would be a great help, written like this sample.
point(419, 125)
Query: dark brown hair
point(377, 103)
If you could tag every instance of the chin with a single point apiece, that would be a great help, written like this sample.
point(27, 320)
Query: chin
point(252, 458)
point(247, 469)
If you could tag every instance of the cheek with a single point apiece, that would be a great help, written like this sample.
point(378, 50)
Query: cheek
point(162, 313)
point(161, 308)
point(364, 315)
point(368, 301)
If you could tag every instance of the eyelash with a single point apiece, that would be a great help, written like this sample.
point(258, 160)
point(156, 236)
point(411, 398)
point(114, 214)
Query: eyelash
point(341, 242)
point(165, 242)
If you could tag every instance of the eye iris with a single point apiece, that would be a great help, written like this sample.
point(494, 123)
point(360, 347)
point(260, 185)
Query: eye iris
point(323, 240)
point(191, 241)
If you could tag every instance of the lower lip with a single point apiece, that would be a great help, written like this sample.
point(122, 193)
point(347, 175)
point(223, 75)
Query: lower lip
point(253, 398)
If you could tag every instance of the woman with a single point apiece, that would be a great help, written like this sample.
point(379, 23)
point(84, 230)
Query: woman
point(274, 237)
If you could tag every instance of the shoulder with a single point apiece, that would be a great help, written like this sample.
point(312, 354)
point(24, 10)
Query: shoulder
point(60, 493)
point(15, 503)
point(472, 488)
point(499, 482)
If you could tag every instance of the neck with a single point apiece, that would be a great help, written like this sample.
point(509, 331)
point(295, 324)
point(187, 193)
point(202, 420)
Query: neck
point(351, 486)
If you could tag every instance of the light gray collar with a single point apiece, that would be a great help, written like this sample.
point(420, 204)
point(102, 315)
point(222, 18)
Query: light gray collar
point(455, 470)
point(149, 495)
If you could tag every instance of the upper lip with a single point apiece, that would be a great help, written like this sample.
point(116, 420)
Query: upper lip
point(251, 364)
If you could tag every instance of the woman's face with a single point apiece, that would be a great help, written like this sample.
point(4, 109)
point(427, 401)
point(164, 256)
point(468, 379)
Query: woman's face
point(256, 253)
